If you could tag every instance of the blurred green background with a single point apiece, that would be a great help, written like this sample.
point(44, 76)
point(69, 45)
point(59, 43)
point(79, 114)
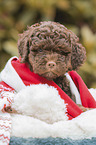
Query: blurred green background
point(77, 15)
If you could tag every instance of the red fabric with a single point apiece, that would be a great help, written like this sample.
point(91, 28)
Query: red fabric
point(29, 77)
point(73, 110)
point(86, 98)
point(5, 87)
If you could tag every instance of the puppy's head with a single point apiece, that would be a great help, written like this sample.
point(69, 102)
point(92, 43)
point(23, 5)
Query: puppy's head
point(50, 49)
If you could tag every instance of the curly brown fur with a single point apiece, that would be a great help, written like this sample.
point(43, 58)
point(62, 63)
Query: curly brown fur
point(51, 50)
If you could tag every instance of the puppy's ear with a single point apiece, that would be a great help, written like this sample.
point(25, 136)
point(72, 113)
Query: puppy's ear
point(23, 47)
point(78, 56)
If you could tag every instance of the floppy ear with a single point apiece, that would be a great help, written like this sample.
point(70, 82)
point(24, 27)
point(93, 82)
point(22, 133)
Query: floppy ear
point(78, 56)
point(25, 41)
point(23, 46)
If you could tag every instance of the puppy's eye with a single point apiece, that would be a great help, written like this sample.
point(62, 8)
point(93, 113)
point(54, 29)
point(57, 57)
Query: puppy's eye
point(40, 50)
point(34, 50)
point(64, 53)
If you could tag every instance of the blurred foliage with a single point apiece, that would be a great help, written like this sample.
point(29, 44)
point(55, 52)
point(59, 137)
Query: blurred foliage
point(77, 15)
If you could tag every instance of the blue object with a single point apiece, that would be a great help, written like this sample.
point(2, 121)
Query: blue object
point(50, 141)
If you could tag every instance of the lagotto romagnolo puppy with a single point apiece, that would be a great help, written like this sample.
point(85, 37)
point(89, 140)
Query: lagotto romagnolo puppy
point(50, 50)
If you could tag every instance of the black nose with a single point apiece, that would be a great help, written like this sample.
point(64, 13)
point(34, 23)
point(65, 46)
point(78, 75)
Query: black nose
point(51, 64)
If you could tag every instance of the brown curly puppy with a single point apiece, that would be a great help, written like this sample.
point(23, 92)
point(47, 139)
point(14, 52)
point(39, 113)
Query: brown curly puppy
point(51, 50)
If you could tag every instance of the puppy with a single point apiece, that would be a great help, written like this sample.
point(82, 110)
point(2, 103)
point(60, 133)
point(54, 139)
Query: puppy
point(51, 50)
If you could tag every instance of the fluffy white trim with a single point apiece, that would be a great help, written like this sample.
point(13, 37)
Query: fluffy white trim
point(74, 89)
point(42, 102)
point(83, 126)
point(93, 92)
point(45, 116)
point(10, 76)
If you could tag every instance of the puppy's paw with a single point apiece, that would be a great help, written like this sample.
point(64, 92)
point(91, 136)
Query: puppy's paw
point(9, 109)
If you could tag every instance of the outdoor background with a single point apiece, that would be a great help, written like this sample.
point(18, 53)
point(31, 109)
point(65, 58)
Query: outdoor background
point(77, 15)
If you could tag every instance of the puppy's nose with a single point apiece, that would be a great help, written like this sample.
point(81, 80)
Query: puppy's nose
point(51, 64)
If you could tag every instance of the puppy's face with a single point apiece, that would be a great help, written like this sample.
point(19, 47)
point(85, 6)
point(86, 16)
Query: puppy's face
point(50, 63)
point(50, 49)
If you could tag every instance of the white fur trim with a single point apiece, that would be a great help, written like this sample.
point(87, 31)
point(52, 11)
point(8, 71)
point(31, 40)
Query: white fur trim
point(74, 89)
point(42, 102)
point(83, 126)
point(93, 92)
point(10, 76)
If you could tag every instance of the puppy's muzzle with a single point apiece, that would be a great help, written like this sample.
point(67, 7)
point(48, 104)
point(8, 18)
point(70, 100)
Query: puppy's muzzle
point(51, 65)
